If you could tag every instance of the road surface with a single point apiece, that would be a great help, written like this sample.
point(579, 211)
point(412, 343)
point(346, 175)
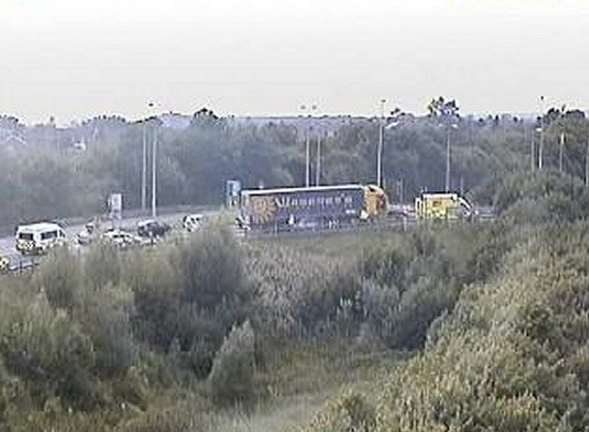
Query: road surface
point(7, 244)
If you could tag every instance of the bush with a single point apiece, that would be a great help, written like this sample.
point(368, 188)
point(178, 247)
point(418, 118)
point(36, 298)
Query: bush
point(232, 375)
point(348, 413)
point(545, 196)
point(209, 269)
point(61, 278)
point(50, 353)
point(102, 266)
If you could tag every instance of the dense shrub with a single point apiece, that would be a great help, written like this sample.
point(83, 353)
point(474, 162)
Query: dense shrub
point(503, 310)
point(61, 279)
point(102, 266)
point(511, 356)
point(231, 378)
point(209, 269)
point(545, 196)
point(348, 413)
point(296, 294)
point(46, 349)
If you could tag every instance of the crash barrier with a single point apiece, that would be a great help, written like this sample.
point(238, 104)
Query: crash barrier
point(20, 264)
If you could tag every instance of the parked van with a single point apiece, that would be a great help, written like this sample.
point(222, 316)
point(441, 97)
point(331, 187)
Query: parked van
point(37, 239)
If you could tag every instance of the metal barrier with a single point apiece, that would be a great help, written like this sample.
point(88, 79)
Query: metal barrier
point(20, 264)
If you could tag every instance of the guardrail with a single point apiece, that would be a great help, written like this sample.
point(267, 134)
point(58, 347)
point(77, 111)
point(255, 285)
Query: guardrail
point(20, 264)
point(396, 224)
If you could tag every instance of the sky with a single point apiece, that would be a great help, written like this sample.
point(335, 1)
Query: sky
point(73, 59)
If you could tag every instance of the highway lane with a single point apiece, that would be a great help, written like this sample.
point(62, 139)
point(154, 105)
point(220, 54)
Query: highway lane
point(7, 244)
point(485, 214)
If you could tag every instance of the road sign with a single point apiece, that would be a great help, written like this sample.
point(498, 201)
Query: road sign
point(232, 190)
point(115, 205)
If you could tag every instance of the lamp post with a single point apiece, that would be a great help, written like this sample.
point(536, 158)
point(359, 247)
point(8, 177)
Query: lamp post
point(144, 169)
point(533, 151)
point(394, 124)
point(541, 149)
point(380, 144)
point(448, 136)
point(154, 164)
point(307, 145)
point(561, 153)
point(318, 167)
point(587, 165)
point(154, 175)
point(150, 106)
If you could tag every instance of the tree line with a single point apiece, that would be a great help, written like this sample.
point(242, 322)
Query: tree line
point(43, 174)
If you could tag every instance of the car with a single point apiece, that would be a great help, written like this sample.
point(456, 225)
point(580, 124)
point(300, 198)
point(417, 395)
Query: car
point(120, 239)
point(4, 264)
point(192, 222)
point(152, 228)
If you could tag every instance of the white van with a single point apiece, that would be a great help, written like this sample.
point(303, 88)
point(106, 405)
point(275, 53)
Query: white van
point(37, 239)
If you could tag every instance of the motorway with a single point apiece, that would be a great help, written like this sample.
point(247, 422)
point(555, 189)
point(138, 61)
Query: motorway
point(7, 244)
point(17, 261)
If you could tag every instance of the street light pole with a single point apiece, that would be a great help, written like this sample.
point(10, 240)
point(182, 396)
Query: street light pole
point(150, 105)
point(587, 165)
point(541, 149)
point(380, 144)
point(448, 162)
point(144, 169)
point(533, 151)
point(308, 131)
point(318, 169)
point(561, 153)
point(154, 175)
point(307, 158)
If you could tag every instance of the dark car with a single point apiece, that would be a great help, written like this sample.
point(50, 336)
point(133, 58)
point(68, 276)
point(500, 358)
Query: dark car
point(152, 228)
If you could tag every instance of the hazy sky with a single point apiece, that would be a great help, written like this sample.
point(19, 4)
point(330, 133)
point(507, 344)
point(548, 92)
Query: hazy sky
point(78, 58)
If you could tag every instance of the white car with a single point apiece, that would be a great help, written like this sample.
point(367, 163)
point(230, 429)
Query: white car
point(120, 239)
point(37, 239)
point(192, 222)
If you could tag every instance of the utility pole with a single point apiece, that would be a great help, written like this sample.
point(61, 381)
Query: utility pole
point(541, 150)
point(318, 170)
point(144, 169)
point(561, 153)
point(448, 161)
point(533, 154)
point(587, 165)
point(380, 144)
point(307, 157)
point(154, 175)
point(308, 131)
